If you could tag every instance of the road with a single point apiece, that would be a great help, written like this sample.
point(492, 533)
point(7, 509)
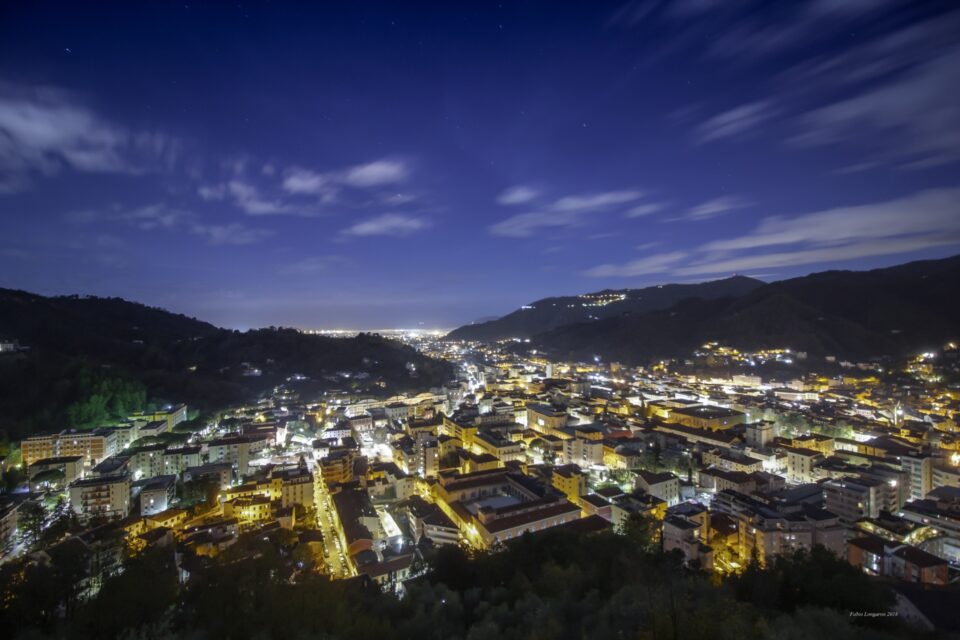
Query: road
point(338, 566)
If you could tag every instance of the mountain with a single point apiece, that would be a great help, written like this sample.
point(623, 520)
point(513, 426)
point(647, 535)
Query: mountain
point(551, 313)
point(892, 311)
point(88, 357)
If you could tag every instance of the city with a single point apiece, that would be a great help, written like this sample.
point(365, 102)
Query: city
point(730, 467)
point(631, 319)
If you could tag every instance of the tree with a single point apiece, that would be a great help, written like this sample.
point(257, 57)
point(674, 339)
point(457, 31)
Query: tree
point(30, 521)
point(62, 521)
point(140, 595)
point(621, 477)
point(642, 530)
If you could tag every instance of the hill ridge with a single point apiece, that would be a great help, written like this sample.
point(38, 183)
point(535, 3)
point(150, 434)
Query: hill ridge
point(861, 314)
point(537, 317)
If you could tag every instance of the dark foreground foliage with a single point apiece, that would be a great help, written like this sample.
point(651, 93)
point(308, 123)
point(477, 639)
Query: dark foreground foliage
point(556, 585)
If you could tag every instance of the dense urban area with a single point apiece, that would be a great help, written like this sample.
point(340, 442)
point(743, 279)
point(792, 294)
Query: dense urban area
point(726, 463)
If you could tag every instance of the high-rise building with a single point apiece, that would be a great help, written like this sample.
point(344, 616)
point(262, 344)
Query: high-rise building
point(919, 469)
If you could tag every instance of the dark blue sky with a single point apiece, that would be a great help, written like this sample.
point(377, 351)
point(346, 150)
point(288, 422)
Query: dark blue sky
point(380, 165)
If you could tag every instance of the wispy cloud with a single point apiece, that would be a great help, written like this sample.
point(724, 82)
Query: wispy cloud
point(715, 207)
point(821, 255)
point(388, 224)
point(736, 122)
point(248, 198)
point(397, 199)
point(212, 192)
point(930, 211)
point(258, 188)
point(518, 194)
point(301, 181)
point(383, 172)
point(160, 217)
point(155, 216)
point(657, 263)
point(642, 210)
point(595, 201)
point(146, 218)
point(525, 225)
point(310, 265)
point(776, 33)
point(924, 220)
point(913, 120)
point(564, 212)
point(230, 234)
point(44, 131)
point(379, 172)
point(888, 95)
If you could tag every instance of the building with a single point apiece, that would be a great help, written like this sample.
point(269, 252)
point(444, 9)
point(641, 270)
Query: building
point(546, 420)
point(941, 516)
point(625, 505)
point(38, 447)
point(494, 506)
point(114, 465)
point(296, 486)
point(171, 417)
point(583, 452)
point(569, 480)
point(664, 485)
point(105, 496)
point(176, 461)
point(248, 511)
point(358, 524)
point(707, 418)
point(593, 504)
point(815, 442)
point(92, 445)
point(878, 557)
point(800, 464)
point(8, 526)
point(169, 519)
point(147, 461)
point(684, 535)
point(221, 473)
point(694, 436)
point(55, 473)
point(944, 476)
point(919, 470)
point(495, 444)
point(729, 461)
point(769, 530)
point(337, 466)
point(494, 525)
point(234, 450)
point(157, 494)
point(397, 411)
point(855, 498)
point(721, 480)
point(471, 462)
point(390, 573)
point(427, 520)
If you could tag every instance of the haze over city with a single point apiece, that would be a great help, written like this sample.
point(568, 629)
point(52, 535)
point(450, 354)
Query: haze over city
point(372, 165)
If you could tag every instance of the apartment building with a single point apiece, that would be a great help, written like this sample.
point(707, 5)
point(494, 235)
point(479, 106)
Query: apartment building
point(104, 496)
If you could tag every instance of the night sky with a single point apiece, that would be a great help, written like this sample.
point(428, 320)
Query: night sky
point(407, 164)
